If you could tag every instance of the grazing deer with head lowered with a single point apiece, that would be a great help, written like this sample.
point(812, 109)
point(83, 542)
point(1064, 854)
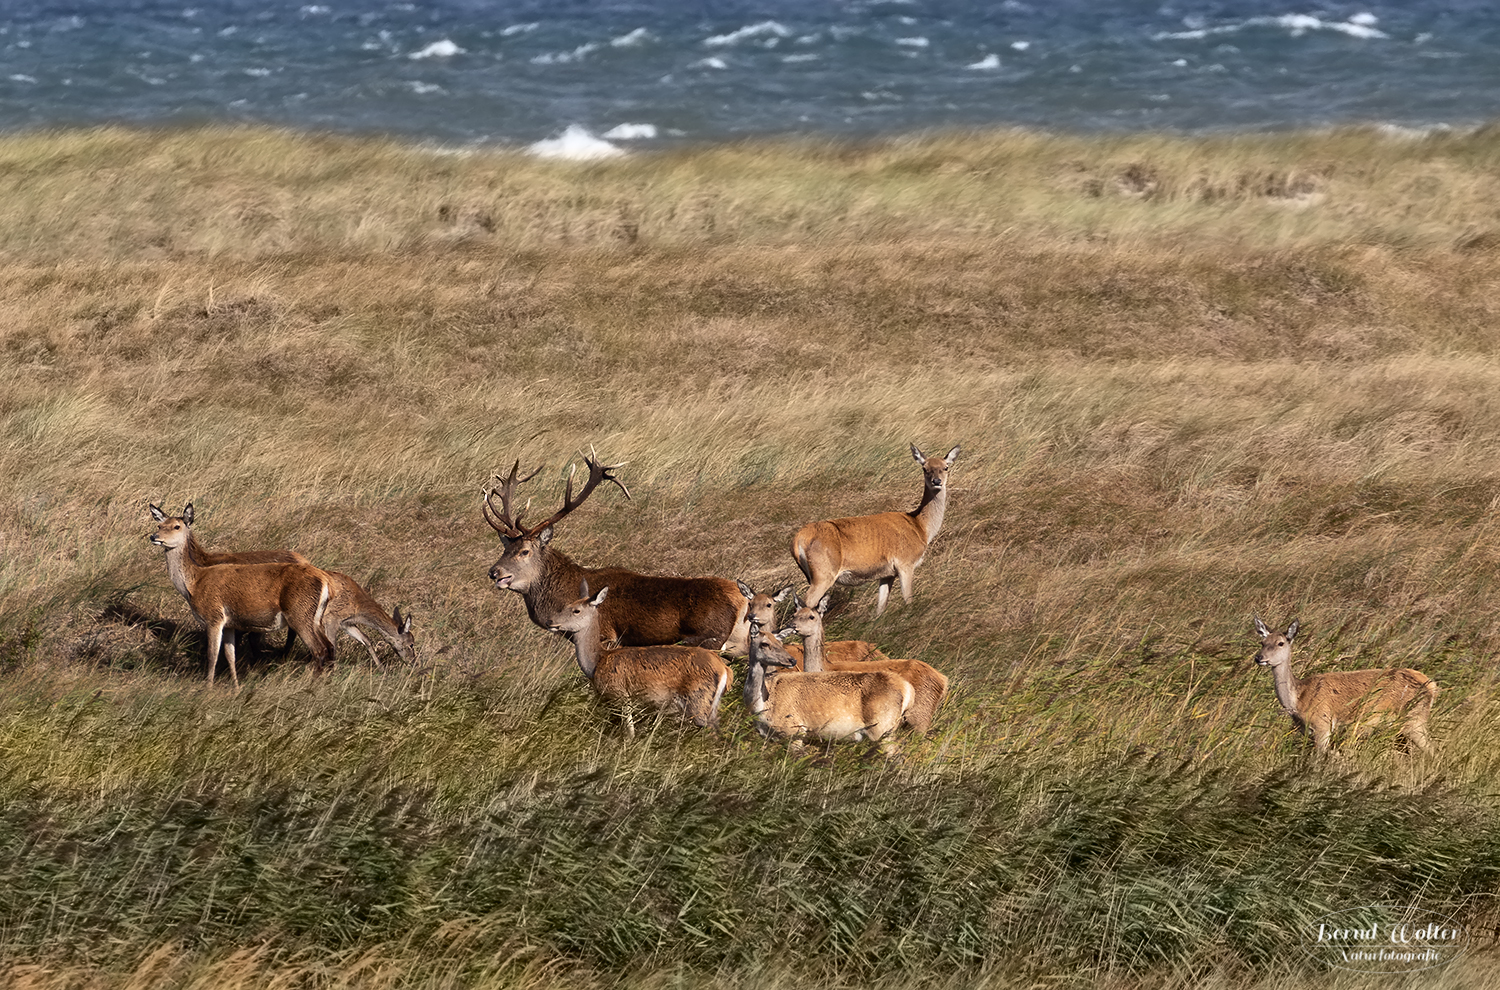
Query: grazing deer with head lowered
point(350, 607)
point(641, 610)
point(689, 680)
point(244, 597)
point(828, 706)
point(762, 609)
point(928, 686)
point(1321, 703)
point(882, 547)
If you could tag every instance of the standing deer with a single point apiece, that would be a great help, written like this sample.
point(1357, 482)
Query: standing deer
point(641, 610)
point(830, 706)
point(762, 609)
point(881, 547)
point(244, 597)
point(349, 605)
point(928, 686)
point(686, 679)
point(1319, 704)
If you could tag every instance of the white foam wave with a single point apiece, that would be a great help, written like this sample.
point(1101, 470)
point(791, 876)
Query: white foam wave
point(515, 29)
point(438, 49)
point(712, 62)
point(765, 29)
point(630, 132)
point(640, 36)
point(990, 61)
point(913, 42)
point(1358, 26)
point(562, 58)
point(575, 144)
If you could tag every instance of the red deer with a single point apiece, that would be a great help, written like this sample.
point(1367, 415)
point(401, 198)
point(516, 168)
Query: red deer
point(349, 605)
point(685, 679)
point(244, 597)
point(881, 547)
point(641, 610)
point(762, 609)
point(1321, 703)
point(928, 686)
point(828, 706)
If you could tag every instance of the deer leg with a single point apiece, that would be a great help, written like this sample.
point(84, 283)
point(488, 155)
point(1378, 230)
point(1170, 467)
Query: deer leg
point(230, 642)
point(215, 638)
point(880, 599)
point(906, 576)
point(360, 637)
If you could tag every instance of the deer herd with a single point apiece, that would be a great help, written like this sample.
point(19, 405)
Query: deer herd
point(659, 643)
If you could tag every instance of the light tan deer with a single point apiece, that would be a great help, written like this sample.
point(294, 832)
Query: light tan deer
point(642, 609)
point(350, 607)
point(1359, 698)
point(928, 686)
point(828, 706)
point(244, 597)
point(762, 609)
point(689, 680)
point(882, 547)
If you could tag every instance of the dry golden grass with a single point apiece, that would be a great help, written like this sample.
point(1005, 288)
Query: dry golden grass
point(1193, 379)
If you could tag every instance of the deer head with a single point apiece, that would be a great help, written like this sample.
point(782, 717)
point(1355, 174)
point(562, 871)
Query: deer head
point(520, 565)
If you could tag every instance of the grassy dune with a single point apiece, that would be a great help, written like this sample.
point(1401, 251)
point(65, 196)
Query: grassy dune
point(1193, 380)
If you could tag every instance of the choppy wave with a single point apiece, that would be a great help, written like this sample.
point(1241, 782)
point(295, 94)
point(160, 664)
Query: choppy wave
point(519, 73)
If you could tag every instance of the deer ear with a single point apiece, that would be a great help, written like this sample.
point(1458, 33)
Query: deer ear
point(744, 589)
point(823, 606)
point(187, 513)
point(1260, 627)
point(781, 595)
point(917, 455)
point(544, 537)
point(583, 588)
point(796, 600)
point(599, 598)
point(952, 456)
point(1291, 631)
point(157, 514)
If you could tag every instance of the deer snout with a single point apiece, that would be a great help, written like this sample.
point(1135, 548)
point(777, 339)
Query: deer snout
point(501, 579)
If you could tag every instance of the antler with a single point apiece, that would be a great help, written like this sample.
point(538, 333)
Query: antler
point(505, 522)
point(597, 474)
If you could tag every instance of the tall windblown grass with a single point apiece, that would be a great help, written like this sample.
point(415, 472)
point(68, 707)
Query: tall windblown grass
point(1193, 380)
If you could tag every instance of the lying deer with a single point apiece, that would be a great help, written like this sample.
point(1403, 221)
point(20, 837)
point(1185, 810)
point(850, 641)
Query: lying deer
point(762, 609)
point(1321, 703)
point(928, 686)
point(882, 547)
point(244, 597)
point(689, 680)
point(829, 706)
point(642, 609)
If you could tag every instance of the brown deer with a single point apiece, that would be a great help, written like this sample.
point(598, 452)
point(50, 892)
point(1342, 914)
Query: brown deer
point(641, 610)
point(244, 597)
point(686, 679)
point(762, 609)
point(828, 706)
point(928, 686)
point(881, 547)
point(1321, 703)
point(350, 606)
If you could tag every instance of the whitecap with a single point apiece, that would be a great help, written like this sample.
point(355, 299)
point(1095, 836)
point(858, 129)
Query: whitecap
point(258, 73)
point(639, 36)
point(520, 29)
point(761, 30)
point(913, 42)
point(630, 132)
point(422, 89)
point(712, 62)
point(990, 61)
point(1020, 46)
point(575, 144)
point(804, 57)
point(21, 77)
point(438, 49)
point(563, 58)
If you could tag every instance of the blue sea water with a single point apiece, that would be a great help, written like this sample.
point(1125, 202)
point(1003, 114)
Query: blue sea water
point(467, 72)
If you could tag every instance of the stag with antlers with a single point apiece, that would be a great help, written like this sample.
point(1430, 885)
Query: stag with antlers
point(641, 609)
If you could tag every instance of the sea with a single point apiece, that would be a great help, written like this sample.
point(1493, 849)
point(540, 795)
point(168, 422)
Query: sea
point(585, 78)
